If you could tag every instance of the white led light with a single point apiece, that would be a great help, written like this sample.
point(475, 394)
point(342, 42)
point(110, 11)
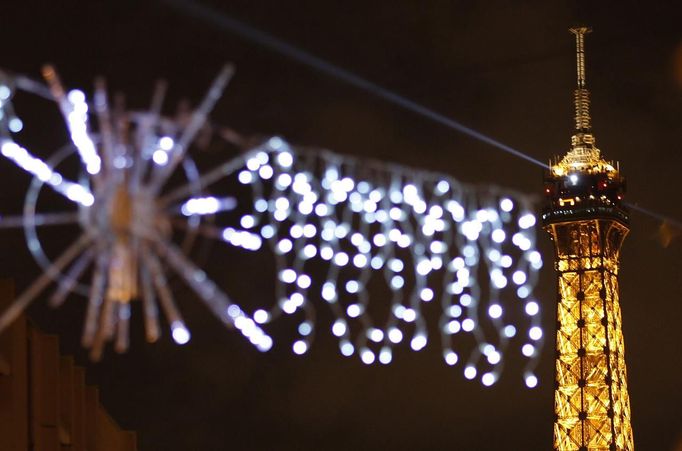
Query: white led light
point(367, 356)
point(282, 203)
point(532, 308)
point(385, 356)
point(426, 294)
point(360, 261)
point(341, 259)
point(339, 328)
point(418, 342)
point(395, 335)
point(326, 252)
point(354, 310)
point(321, 210)
point(376, 335)
point(347, 349)
point(494, 358)
point(498, 235)
point(309, 230)
point(519, 277)
point(488, 379)
point(253, 164)
point(379, 239)
point(309, 251)
point(535, 333)
point(523, 292)
point(245, 177)
point(300, 347)
point(505, 261)
point(247, 221)
point(438, 247)
point(304, 281)
point(397, 282)
point(424, 267)
point(468, 325)
point(404, 241)
point(527, 221)
point(376, 262)
point(5, 92)
point(495, 311)
point(396, 265)
point(531, 381)
point(267, 231)
point(265, 172)
point(534, 257)
point(352, 286)
point(455, 311)
point(160, 157)
point(451, 358)
point(180, 333)
point(506, 204)
point(166, 143)
point(305, 328)
point(261, 316)
point(409, 315)
point(453, 327)
point(328, 292)
point(283, 181)
point(285, 159)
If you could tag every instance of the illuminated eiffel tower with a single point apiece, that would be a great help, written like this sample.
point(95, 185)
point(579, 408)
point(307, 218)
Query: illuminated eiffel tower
point(587, 222)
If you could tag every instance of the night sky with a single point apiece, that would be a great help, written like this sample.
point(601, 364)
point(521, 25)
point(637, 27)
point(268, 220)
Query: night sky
point(504, 69)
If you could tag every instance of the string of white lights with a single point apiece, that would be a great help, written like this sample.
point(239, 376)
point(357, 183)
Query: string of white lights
point(394, 253)
point(339, 228)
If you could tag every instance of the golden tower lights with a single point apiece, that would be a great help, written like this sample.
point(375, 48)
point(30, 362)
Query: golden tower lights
point(588, 223)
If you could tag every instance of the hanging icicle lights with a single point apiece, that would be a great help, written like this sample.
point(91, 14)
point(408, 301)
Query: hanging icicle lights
point(425, 236)
point(338, 226)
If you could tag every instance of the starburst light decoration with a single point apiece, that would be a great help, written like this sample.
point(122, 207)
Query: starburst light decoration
point(125, 230)
point(384, 247)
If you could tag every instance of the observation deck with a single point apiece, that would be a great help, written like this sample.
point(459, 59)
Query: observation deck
point(582, 185)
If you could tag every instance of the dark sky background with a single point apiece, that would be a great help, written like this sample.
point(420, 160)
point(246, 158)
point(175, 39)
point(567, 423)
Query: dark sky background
point(503, 68)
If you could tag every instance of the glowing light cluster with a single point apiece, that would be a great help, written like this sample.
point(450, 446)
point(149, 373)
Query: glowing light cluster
point(41, 170)
point(344, 232)
point(396, 254)
point(123, 230)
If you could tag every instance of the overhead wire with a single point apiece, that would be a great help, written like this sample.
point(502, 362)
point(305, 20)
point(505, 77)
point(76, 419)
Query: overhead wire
point(277, 45)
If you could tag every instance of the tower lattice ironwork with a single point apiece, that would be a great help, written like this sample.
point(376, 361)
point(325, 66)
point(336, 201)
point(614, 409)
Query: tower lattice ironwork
point(587, 222)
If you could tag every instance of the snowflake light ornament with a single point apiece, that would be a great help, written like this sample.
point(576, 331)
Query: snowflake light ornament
point(125, 240)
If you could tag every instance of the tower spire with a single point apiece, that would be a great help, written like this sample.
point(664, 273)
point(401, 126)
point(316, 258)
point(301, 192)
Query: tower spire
point(584, 154)
point(582, 95)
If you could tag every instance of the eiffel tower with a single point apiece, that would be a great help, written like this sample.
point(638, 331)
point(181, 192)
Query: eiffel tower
point(587, 222)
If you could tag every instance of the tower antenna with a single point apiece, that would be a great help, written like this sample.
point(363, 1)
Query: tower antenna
point(582, 95)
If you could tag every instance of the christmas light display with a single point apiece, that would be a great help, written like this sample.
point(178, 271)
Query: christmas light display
point(384, 247)
point(427, 238)
point(125, 233)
